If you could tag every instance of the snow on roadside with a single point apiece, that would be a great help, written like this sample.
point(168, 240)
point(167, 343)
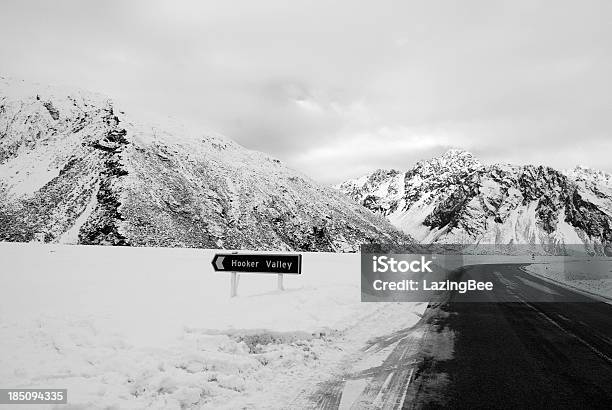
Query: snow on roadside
point(593, 275)
point(101, 370)
point(155, 328)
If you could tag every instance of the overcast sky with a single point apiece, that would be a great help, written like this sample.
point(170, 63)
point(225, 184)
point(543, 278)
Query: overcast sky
point(339, 88)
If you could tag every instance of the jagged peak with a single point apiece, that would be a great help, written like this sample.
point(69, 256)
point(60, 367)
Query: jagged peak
point(457, 152)
point(454, 159)
point(381, 173)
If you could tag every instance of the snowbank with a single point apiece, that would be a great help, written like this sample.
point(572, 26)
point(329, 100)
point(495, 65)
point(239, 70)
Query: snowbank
point(593, 275)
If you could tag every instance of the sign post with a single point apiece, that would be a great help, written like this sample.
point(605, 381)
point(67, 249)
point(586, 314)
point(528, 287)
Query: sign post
point(278, 264)
point(233, 285)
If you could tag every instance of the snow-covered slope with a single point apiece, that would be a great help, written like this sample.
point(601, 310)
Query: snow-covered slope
point(76, 169)
point(457, 199)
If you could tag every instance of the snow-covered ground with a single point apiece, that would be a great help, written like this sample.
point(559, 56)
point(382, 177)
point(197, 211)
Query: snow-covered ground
point(593, 275)
point(138, 328)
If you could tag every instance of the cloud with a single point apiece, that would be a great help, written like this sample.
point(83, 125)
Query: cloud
point(334, 88)
point(361, 153)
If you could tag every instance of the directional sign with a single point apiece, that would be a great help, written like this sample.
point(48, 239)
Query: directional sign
point(258, 263)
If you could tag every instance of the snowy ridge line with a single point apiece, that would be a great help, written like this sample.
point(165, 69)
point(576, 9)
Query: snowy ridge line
point(456, 199)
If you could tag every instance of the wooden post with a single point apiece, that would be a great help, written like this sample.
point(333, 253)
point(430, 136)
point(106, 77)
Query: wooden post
point(280, 282)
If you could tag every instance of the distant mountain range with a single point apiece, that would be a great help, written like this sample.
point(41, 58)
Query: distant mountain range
point(457, 199)
point(76, 169)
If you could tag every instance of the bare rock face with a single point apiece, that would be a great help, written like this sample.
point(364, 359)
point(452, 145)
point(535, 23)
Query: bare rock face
point(75, 169)
point(457, 199)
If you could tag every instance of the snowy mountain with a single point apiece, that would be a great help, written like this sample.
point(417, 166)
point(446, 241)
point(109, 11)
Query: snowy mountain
point(76, 169)
point(457, 199)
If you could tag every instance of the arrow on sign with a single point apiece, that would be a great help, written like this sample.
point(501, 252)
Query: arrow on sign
point(219, 262)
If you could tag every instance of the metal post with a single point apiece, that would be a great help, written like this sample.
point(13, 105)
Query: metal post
point(234, 285)
point(280, 282)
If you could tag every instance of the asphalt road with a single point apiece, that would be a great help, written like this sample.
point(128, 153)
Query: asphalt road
point(511, 350)
point(503, 349)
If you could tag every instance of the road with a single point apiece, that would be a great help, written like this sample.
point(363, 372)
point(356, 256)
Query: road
point(502, 349)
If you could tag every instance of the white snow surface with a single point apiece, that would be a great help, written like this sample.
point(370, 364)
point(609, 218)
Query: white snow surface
point(137, 328)
point(591, 274)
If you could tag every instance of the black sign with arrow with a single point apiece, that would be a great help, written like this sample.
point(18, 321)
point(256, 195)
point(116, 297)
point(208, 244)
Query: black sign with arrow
point(258, 263)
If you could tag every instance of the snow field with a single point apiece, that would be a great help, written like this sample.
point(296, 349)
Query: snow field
point(155, 328)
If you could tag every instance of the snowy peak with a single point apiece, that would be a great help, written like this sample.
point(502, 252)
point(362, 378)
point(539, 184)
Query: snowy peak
point(42, 127)
point(41, 106)
point(454, 157)
point(452, 162)
point(456, 199)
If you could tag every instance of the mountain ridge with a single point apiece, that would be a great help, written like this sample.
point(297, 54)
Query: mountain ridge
point(76, 169)
point(455, 198)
